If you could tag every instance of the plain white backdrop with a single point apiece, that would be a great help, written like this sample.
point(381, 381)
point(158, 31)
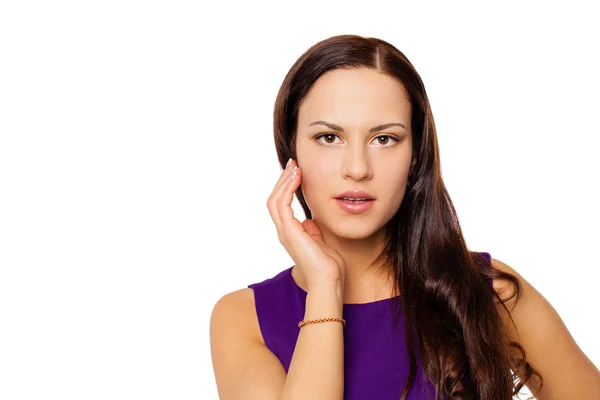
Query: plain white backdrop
point(137, 156)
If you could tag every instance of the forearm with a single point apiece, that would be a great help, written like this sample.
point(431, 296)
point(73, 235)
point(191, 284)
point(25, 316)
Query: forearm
point(316, 370)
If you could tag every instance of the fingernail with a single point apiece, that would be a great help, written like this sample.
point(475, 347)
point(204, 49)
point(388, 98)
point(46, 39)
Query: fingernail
point(288, 163)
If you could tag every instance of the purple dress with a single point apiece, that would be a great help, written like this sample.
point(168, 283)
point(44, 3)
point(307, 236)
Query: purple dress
point(376, 361)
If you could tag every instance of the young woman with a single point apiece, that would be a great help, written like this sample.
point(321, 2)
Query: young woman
point(384, 301)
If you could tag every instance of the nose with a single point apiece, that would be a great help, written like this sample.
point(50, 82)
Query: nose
point(355, 163)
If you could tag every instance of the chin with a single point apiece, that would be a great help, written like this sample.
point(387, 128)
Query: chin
point(348, 227)
point(354, 235)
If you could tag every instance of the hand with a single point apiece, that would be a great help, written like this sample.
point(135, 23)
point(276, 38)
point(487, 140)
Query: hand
point(317, 262)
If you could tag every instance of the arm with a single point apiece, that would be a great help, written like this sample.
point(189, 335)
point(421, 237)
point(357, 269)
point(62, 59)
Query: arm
point(245, 368)
point(548, 345)
point(317, 367)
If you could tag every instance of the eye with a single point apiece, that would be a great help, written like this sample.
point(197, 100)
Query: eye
point(378, 138)
point(326, 135)
point(386, 137)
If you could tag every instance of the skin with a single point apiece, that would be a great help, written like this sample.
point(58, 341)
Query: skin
point(359, 100)
point(376, 162)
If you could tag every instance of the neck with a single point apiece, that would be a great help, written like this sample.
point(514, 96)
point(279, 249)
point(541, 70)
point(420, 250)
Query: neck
point(365, 281)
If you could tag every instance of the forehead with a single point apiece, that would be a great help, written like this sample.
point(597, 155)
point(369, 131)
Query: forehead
point(355, 96)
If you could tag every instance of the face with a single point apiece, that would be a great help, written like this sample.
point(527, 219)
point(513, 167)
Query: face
point(353, 155)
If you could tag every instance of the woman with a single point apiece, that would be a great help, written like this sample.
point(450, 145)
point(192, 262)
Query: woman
point(384, 300)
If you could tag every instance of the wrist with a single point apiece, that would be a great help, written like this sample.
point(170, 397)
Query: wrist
point(336, 287)
point(330, 292)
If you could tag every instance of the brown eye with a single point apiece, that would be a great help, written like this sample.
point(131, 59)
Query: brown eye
point(331, 136)
point(386, 142)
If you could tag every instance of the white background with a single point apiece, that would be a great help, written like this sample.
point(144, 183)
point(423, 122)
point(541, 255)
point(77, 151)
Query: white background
point(137, 155)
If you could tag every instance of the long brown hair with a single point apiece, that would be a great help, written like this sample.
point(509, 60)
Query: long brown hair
point(449, 307)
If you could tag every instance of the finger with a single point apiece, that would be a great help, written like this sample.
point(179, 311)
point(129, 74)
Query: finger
point(277, 190)
point(311, 227)
point(283, 177)
point(284, 203)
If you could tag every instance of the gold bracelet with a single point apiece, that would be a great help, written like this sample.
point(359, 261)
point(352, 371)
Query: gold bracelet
point(314, 321)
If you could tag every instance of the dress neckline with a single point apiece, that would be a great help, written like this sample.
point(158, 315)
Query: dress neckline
point(352, 305)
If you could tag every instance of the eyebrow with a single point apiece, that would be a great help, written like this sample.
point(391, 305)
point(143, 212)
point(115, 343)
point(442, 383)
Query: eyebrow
point(340, 129)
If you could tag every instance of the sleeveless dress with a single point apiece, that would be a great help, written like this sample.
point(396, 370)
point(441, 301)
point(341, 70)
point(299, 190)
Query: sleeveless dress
point(376, 360)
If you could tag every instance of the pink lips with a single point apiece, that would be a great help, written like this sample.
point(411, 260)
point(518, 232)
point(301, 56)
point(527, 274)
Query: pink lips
point(355, 193)
point(354, 207)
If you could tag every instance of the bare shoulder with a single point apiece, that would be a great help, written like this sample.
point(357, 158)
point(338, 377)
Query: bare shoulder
point(503, 286)
point(237, 310)
point(243, 365)
point(549, 347)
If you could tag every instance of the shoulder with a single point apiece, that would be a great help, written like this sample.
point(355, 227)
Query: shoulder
point(526, 305)
point(502, 286)
point(236, 311)
point(243, 366)
point(531, 321)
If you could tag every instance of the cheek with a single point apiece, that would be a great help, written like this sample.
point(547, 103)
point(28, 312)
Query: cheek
point(395, 180)
point(393, 185)
point(316, 184)
point(310, 183)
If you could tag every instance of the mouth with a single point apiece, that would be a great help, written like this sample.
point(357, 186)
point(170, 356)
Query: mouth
point(353, 199)
point(354, 205)
point(355, 195)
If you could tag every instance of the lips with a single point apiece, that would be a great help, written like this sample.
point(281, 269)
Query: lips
point(355, 194)
point(355, 206)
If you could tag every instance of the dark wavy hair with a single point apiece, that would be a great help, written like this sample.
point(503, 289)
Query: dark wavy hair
point(449, 307)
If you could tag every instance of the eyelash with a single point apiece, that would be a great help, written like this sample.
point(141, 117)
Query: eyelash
point(336, 135)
